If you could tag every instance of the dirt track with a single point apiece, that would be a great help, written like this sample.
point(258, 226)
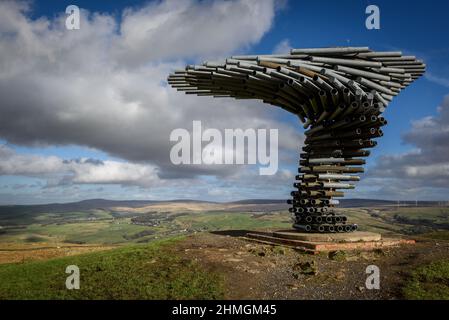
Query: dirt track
point(256, 271)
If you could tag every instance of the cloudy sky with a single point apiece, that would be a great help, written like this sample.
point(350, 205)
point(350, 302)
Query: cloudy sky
point(87, 113)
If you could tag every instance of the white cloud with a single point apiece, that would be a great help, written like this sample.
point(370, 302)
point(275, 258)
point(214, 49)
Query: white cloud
point(178, 29)
point(43, 179)
point(436, 79)
point(103, 86)
point(58, 171)
point(426, 167)
point(282, 47)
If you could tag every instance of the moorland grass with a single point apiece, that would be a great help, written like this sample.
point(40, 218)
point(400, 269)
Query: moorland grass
point(151, 271)
point(429, 282)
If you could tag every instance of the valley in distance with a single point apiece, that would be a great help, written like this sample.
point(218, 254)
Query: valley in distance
point(187, 249)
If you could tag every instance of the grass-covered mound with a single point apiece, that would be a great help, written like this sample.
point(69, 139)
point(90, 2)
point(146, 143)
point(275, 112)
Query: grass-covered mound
point(151, 271)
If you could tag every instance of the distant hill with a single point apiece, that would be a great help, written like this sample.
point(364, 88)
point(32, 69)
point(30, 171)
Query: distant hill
point(351, 203)
point(259, 201)
point(86, 205)
point(105, 204)
point(71, 206)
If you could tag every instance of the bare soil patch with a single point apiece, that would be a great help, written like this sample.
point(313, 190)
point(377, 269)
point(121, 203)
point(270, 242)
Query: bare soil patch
point(257, 271)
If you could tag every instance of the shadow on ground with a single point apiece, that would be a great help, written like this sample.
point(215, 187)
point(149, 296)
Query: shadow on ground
point(242, 233)
point(232, 233)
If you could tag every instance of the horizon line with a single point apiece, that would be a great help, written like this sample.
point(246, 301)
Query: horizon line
point(209, 201)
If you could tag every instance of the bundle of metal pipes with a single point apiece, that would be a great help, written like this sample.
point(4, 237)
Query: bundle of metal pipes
point(339, 94)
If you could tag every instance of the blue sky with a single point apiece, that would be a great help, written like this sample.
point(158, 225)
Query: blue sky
point(416, 28)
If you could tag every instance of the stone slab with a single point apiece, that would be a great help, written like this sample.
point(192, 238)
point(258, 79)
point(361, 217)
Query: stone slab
point(329, 237)
point(273, 238)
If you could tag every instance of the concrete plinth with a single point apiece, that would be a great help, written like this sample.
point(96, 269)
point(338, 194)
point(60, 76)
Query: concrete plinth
point(321, 242)
point(329, 237)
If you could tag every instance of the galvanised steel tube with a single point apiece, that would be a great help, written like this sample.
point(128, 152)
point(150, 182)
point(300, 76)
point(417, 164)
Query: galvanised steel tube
point(400, 58)
point(341, 50)
point(303, 65)
point(337, 185)
point(323, 84)
point(358, 72)
point(372, 85)
point(347, 62)
point(338, 177)
point(326, 160)
point(389, 70)
point(339, 93)
point(380, 54)
point(335, 75)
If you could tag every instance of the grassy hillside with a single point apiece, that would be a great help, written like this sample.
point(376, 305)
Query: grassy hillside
point(429, 282)
point(151, 221)
point(150, 271)
point(128, 226)
point(135, 263)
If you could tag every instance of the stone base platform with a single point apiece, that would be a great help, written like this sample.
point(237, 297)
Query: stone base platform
point(323, 242)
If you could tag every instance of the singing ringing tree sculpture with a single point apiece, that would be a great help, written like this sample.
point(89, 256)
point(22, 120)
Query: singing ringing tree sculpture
point(338, 93)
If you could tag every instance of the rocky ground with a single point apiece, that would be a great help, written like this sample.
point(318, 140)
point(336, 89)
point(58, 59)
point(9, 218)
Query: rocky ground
point(256, 271)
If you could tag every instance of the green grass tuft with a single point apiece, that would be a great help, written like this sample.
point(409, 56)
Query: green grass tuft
point(151, 271)
point(430, 282)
